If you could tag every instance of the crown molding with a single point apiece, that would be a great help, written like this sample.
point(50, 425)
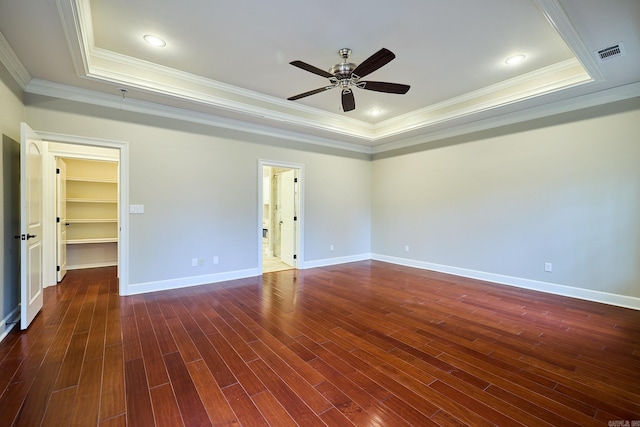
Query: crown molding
point(112, 61)
point(75, 16)
point(555, 14)
point(45, 88)
point(544, 81)
point(592, 99)
point(132, 73)
point(72, 93)
point(10, 60)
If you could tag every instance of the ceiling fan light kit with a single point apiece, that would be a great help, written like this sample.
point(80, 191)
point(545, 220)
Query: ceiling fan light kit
point(346, 75)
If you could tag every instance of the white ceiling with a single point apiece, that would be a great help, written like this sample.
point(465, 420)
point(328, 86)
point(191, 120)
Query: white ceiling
point(227, 63)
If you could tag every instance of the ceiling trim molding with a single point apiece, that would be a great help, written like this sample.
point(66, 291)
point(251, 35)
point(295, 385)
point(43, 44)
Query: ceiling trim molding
point(73, 15)
point(71, 93)
point(116, 60)
point(11, 61)
point(544, 81)
point(592, 99)
point(41, 87)
point(555, 14)
point(132, 73)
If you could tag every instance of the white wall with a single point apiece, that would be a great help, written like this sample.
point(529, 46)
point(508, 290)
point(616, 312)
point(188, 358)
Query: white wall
point(199, 189)
point(11, 114)
point(568, 194)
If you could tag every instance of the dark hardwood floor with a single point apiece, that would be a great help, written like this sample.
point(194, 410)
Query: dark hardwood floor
point(365, 344)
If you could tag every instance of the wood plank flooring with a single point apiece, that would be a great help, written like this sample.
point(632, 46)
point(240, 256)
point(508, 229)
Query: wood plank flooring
point(364, 344)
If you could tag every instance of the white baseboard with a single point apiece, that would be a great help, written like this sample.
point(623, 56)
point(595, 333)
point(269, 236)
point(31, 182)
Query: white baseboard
point(184, 282)
point(8, 323)
point(92, 265)
point(335, 261)
point(551, 288)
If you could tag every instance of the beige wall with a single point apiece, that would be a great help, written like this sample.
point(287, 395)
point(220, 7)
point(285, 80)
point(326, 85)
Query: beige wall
point(565, 193)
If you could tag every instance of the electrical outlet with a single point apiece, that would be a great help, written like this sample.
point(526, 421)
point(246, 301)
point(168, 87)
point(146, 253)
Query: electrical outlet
point(406, 248)
point(200, 262)
point(331, 248)
point(216, 259)
point(194, 262)
point(548, 267)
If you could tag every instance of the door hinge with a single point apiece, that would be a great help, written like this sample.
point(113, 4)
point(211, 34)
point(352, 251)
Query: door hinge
point(57, 268)
point(295, 218)
point(295, 257)
point(58, 171)
point(57, 219)
point(295, 179)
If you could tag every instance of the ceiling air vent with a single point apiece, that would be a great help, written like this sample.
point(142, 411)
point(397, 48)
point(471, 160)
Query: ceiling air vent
point(611, 52)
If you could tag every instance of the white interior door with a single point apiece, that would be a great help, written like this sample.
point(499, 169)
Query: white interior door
point(61, 218)
point(286, 196)
point(31, 251)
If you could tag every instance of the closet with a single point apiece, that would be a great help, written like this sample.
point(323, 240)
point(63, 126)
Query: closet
point(91, 213)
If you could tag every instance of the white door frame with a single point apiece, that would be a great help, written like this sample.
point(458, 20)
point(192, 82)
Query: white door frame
point(123, 202)
point(299, 244)
point(61, 218)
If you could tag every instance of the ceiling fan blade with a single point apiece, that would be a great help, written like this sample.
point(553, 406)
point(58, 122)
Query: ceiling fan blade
point(384, 87)
point(375, 61)
point(311, 92)
point(348, 100)
point(311, 69)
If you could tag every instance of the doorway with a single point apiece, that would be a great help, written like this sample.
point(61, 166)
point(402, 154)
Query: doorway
point(87, 211)
point(280, 216)
point(97, 234)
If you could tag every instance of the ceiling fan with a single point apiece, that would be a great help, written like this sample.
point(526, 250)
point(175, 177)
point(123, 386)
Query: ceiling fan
point(346, 75)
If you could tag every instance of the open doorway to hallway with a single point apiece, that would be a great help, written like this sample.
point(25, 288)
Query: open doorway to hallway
point(280, 217)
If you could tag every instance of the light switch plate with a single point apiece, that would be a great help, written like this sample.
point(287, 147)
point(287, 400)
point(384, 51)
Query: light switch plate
point(136, 209)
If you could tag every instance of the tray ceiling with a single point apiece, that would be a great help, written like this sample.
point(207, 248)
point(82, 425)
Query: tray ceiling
point(228, 62)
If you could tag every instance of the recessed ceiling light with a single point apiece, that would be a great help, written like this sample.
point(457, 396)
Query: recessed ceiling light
point(375, 112)
point(515, 59)
point(154, 41)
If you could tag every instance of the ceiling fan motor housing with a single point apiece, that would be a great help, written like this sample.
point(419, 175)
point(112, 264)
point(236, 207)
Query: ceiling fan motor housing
point(343, 70)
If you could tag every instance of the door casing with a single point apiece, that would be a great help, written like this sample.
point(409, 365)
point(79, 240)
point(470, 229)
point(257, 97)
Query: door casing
point(299, 202)
point(49, 234)
point(61, 219)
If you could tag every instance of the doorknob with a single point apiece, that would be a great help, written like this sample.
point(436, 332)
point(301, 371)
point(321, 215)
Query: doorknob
point(23, 237)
